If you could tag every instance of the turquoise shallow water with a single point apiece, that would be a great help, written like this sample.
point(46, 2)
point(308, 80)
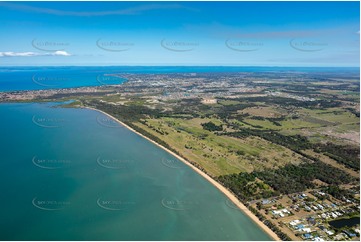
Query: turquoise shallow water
point(73, 174)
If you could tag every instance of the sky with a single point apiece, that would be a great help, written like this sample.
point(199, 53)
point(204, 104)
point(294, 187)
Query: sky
point(180, 33)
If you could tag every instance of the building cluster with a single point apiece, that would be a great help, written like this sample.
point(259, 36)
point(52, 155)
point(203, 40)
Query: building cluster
point(35, 94)
point(304, 216)
point(286, 95)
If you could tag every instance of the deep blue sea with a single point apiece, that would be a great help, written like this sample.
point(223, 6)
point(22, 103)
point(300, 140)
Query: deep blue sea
point(37, 78)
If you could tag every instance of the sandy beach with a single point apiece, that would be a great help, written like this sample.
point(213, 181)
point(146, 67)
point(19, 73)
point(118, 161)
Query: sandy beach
point(224, 190)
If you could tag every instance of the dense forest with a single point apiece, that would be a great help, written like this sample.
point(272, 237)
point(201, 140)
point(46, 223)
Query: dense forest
point(296, 178)
point(349, 156)
point(288, 179)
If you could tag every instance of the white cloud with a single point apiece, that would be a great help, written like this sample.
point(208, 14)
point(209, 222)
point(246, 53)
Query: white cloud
point(13, 54)
point(61, 53)
point(30, 54)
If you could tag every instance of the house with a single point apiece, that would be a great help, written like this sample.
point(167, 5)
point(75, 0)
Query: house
point(279, 213)
point(285, 211)
point(307, 236)
point(350, 234)
point(299, 226)
point(320, 206)
point(311, 220)
point(340, 236)
point(329, 232)
point(308, 208)
point(295, 222)
point(265, 201)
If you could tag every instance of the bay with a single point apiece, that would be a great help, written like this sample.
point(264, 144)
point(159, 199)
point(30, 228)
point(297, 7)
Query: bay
point(74, 174)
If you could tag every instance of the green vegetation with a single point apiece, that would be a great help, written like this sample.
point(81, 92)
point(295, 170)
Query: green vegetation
point(267, 134)
point(343, 154)
point(212, 127)
point(246, 187)
point(294, 142)
point(288, 179)
point(338, 192)
point(292, 178)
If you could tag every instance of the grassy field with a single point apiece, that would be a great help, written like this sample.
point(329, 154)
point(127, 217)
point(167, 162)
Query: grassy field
point(219, 155)
point(320, 125)
point(331, 115)
point(263, 111)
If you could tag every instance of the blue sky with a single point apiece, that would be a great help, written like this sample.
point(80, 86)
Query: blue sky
point(180, 33)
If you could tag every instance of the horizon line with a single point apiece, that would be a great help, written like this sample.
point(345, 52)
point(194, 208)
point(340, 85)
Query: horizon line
point(177, 66)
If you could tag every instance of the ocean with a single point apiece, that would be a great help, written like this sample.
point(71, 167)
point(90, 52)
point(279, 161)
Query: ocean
point(38, 78)
point(75, 174)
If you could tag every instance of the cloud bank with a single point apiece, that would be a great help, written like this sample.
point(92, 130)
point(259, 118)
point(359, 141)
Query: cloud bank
point(30, 54)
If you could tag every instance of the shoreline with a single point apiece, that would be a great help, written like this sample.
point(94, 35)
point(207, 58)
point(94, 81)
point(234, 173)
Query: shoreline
point(221, 188)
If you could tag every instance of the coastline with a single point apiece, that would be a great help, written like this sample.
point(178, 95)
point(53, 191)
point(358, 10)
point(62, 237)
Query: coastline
point(221, 188)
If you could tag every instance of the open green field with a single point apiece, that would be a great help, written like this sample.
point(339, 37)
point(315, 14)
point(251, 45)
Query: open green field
point(219, 155)
point(332, 115)
point(321, 125)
